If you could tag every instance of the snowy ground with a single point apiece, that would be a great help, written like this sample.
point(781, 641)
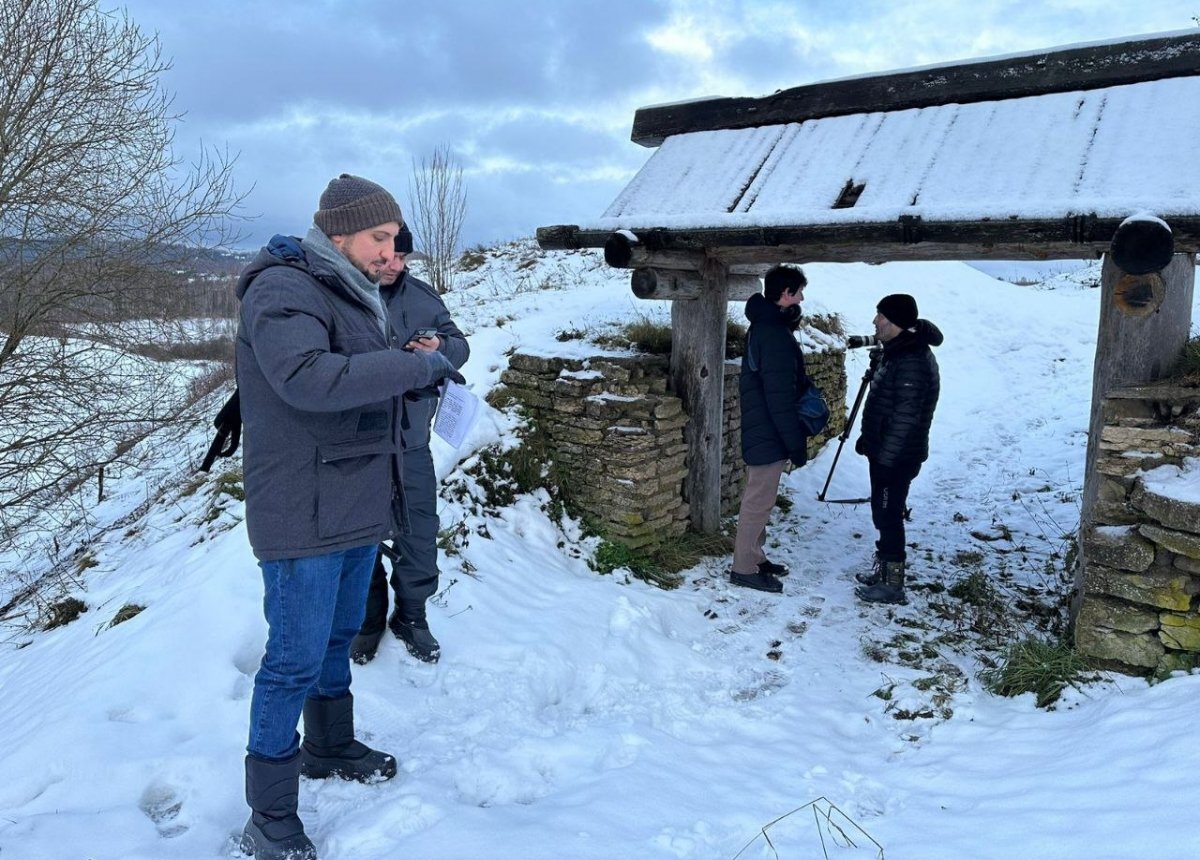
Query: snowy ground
point(577, 715)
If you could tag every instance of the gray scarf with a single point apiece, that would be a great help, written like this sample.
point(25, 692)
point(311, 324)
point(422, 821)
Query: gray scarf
point(317, 244)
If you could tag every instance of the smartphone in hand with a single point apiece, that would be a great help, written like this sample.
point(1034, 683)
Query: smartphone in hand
point(425, 333)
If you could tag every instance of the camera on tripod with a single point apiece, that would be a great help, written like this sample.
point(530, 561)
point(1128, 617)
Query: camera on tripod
point(857, 341)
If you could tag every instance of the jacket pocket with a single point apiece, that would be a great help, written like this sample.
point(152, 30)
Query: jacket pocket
point(354, 487)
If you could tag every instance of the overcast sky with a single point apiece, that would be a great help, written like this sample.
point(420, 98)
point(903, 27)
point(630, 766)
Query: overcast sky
point(536, 98)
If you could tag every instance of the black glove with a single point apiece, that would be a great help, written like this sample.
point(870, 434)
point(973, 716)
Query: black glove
point(442, 368)
point(860, 446)
point(798, 458)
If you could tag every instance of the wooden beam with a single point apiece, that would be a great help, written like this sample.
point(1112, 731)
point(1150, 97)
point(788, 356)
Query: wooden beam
point(1142, 245)
point(676, 284)
point(1086, 67)
point(698, 375)
point(1071, 237)
point(1132, 350)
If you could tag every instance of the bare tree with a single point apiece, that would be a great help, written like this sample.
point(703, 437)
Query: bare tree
point(438, 203)
point(96, 216)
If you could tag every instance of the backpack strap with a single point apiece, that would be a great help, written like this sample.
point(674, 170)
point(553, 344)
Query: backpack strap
point(229, 431)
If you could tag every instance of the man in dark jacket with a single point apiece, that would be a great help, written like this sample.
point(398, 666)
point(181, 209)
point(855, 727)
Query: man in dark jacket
point(320, 376)
point(413, 306)
point(771, 383)
point(895, 434)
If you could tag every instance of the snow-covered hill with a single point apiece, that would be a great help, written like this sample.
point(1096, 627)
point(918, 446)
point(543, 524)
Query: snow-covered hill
point(578, 715)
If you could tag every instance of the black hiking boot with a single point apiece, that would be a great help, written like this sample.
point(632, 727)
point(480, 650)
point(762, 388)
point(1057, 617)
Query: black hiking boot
point(364, 647)
point(773, 569)
point(757, 581)
point(889, 589)
point(409, 624)
point(874, 576)
point(274, 831)
point(329, 747)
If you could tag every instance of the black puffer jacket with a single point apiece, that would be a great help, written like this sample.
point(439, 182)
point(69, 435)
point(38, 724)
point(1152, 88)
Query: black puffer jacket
point(771, 383)
point(903, 395)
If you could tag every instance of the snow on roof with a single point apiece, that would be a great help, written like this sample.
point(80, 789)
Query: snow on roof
point(1111, 152)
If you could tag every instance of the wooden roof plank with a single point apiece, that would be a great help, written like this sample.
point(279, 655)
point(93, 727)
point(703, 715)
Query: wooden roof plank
point(1071, 69)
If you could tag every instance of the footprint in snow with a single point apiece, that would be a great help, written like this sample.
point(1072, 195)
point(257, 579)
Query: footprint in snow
point(162, 804)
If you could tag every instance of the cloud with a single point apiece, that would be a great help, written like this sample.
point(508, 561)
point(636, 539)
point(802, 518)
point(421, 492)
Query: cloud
point(537, 99)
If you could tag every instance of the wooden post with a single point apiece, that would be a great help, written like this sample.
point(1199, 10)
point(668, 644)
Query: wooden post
point(1132, 348)
point(697, 372)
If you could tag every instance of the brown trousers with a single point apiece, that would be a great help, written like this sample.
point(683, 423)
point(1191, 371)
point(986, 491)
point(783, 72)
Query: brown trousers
point(762, 488)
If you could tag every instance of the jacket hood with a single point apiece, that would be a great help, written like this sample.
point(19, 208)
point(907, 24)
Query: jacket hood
point(924, 333)
point(280, 251)
point(929, 333)
point(762, 312)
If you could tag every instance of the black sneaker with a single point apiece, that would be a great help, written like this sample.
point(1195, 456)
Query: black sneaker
point(757, 581)
point(770, 567)
point(364, 647)
point(417, 638)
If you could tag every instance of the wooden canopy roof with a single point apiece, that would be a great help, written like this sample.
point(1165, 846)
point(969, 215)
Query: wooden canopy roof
point(1034, 156)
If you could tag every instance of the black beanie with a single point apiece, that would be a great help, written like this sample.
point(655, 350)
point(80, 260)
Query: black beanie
point(351, 203)
point(404, 240)
point(900, 309)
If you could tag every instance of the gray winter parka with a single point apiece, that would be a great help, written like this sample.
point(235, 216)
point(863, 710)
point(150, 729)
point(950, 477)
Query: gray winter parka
point(321, 390)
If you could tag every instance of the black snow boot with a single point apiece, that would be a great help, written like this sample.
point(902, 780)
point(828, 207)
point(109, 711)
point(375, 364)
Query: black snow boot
point(874, 576)
point(773, 569)
point(409, 624)
point(274, 831)
point(889, 589)
point(757, 581)
point(329, 747)
point(364, 647)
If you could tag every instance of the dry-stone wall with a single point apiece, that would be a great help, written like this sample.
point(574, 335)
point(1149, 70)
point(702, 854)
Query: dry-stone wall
point(1138, 610)
point(616, 433)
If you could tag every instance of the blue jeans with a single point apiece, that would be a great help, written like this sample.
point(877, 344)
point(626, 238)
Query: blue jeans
point(314, 607)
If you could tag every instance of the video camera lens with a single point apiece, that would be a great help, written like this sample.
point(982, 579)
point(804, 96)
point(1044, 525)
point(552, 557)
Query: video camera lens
point(857, 341)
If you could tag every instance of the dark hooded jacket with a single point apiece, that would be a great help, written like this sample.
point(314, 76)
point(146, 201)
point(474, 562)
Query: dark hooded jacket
point(771, 383)
point(320, 390)
point(413, 304)
point(904, 392)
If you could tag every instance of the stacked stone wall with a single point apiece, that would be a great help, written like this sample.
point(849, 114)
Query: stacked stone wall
point(616, 434)
point(1139, 610)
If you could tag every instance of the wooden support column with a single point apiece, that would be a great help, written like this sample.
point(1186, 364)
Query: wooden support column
point(1138, 341)
point(697, 372)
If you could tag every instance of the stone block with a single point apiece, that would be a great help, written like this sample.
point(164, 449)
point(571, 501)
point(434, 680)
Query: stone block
point(1180, 543)
point(1177, 661)
point(1116, 513)
point(1168, 588)
point(1130, 649)
point(1180, 632)
point(1120, 547)
point(1191, 565)
point(1103, 612)
point(1172, 513)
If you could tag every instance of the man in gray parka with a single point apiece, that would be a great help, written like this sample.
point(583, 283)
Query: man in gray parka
point(321, 377)
point(414, 307)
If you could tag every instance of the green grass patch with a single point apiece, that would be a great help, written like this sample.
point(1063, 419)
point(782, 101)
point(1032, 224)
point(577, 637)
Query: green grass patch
point(1035, 666)
point(1188, 366)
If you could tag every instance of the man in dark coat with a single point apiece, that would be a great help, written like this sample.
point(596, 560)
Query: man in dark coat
point(320, 378)
point(771, 383)
point(895, 434)
point(413, 306)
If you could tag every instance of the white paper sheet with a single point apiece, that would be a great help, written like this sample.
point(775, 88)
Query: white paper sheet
point(456, 414)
